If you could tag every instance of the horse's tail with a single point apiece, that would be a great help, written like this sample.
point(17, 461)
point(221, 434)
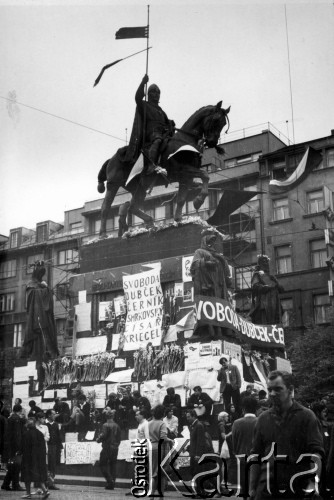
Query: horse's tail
point(102, 177)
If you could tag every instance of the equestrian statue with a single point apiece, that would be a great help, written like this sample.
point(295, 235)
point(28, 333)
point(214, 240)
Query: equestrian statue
point(161, 154)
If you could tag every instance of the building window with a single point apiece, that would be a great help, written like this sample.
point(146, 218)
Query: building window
point(321, 304)
point(31, 260)
point(8, 269)
point(61, 326)
point(281, 209)
point(243, 278)
point(42, 233)
point(315, 201)
point(69, 256)
point(18, 335)
point(62, 291)
point(76, 227)
point(318, 253)
point(330, 157)
point(7, 302)
point(283, 259)
point(14, 239)
point(279, 169)
point(287, 311)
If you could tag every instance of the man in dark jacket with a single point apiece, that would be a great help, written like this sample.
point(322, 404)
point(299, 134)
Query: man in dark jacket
point(54, 447)
point(230, 383)
point(34, 409)
point(288, 430)
point(173, 401)
point(199, 444)
point(201, 402)
point(13, 450)
point(110, 439)
point(242, 437)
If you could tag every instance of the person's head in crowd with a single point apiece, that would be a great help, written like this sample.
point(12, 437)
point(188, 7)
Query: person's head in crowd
point(320, 410)
point(223, 416)
point(249, 388)
point(191, 416)
point(18, 401)
point(262, 394)
point(50, 415)
point(136, 394)
point(112, 396)
point(255, 394)
point(224, 362)
point(169, 413)
point(109, 413)
point(158, 412)
point(249, 405)
point(280, 389)
point(17, 409)
point(170, 391)
point(40, 418)
point(140, 416)
point(81, 398)
point(197, 390)
point(31, 423)
point(32, 404)
point(231, 409)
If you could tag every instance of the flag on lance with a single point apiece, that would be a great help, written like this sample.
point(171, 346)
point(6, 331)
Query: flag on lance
point(144, 300)
point(134, 32)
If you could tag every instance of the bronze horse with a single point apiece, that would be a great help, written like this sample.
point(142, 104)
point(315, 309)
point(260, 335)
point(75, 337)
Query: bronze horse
point(201, 130)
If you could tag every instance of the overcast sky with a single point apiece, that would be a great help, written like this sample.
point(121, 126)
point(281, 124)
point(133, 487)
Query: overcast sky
point(202, 52)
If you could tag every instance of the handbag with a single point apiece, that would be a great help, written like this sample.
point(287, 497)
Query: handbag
point(224, 453)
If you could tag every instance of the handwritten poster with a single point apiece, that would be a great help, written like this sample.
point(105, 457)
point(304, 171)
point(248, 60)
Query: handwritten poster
point(82, 452)
point(91, 345)
point(144, 300)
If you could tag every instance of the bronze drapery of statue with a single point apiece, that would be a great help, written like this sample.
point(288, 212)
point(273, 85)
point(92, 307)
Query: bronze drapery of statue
point(266, 307)
point(40, 343)
point(210, 271)
point(151, 126)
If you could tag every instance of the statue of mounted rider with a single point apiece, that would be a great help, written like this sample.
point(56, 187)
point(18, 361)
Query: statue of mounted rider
point(178, 151)
point(158, 153)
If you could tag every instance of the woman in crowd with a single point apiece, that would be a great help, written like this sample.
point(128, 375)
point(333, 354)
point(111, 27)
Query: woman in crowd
point(34, 459)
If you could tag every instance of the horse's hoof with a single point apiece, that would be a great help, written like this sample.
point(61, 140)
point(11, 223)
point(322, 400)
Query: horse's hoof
point(102, 236)
point(100, 187)
point(198, 202)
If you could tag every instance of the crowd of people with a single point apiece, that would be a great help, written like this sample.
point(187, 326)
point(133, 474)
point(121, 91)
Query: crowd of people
point(31, 442)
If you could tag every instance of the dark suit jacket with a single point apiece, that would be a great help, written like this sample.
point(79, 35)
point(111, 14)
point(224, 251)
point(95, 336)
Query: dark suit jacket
point(197, 439)
point(242, 434)
point(235, 378)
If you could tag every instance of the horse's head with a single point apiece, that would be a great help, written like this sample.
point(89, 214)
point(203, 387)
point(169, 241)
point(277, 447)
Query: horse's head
point(213, 124)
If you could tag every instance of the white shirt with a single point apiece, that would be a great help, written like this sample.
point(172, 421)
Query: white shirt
point(45, 431)
point(142, 431)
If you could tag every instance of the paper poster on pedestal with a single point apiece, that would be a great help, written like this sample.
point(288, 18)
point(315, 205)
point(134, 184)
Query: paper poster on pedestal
point(233, 350)
point(144, 300)
point(20, 391)
point(106, 311)
point(91, 345)
point(186, 263)
point(83, 311)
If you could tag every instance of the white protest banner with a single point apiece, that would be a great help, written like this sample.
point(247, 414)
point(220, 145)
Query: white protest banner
point(144, 300)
